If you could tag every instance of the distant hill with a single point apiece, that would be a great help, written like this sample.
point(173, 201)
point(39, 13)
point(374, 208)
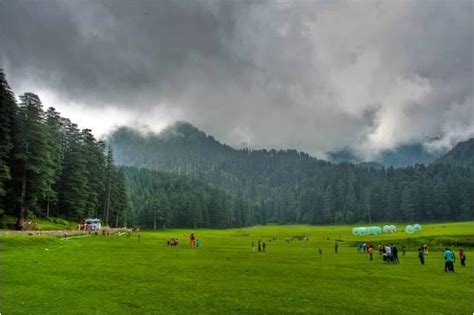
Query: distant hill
point(287, 186)
point(462, 155)
point(404, 155)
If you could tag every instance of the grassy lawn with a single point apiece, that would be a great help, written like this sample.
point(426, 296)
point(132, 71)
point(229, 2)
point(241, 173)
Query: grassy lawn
point(119, 275)
point(45, 224)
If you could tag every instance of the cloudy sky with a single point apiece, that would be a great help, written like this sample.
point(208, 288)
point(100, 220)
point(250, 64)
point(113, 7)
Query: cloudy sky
point(317, 76)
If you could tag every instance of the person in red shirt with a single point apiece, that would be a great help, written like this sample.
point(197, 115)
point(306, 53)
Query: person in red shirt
point(462, 257)
point(192, 240)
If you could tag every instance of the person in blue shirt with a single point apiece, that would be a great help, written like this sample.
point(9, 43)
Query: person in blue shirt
point(448, 260)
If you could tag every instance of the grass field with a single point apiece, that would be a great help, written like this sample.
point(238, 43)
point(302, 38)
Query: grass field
point(119, 275)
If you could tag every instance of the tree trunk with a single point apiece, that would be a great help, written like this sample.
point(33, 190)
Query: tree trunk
point(154, 220)
point(47, 209)
point(116, 221)
point(22, 213)
point(107, 203)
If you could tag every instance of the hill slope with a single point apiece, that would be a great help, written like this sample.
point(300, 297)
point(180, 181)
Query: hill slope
point(291, 186)
point(462, 155)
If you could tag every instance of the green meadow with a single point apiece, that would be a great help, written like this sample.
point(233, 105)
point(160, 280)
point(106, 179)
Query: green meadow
point(121, 275)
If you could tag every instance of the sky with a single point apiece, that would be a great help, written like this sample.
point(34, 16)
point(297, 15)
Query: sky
point(316, 76)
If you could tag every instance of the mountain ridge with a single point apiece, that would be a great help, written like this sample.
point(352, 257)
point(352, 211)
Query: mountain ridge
point(183, 132)
point(288, 186)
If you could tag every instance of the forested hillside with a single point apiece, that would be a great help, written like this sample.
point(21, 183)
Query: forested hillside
point(461, 155)
point(292, 187)
point(162, 199)
point(48, 167)
point(185, 178)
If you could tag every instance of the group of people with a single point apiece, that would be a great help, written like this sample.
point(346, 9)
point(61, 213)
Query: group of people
point(193, 242)
point(389, 253)
point(172, 242)
point(450, 258)
point(260, 244)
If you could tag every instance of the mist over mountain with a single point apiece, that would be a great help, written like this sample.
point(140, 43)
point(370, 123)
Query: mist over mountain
point(404, 155)
point(288, 186)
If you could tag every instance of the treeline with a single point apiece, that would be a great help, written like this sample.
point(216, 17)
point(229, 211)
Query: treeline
point(161, 200)
point(287, 186)
point(49, 167)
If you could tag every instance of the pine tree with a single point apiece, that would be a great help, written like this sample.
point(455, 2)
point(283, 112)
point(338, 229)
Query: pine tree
point(73, 191)
point(408, 205)
point(31, 161)
point(56, 143)
point(109, 170)
point(119, 203)
point(329, 206)
point(8, 111)
point(441, 198)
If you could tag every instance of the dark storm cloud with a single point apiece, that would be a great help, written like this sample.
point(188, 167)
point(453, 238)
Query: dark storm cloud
point(315, 76)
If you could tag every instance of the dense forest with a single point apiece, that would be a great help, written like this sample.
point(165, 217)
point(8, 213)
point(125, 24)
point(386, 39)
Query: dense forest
point(162, 199)
point(287, 186)
point(48, 167)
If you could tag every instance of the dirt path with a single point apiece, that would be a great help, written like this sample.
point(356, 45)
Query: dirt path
point(63, 232)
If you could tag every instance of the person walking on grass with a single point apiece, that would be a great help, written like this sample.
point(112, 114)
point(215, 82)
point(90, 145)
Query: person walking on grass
point(404, 250)
point(395, 254)
point(388, 254)
point(462, 257)
point(448, 260)
point(192, 241)
point(421, 255)
point(264, 246)
point(259, 245)
point(371, 253)
point(336, 247)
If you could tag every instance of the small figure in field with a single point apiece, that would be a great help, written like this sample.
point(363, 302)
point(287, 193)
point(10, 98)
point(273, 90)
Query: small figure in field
point(287, 240)
point(449, 260)
point(336, 247)
point(253, 246)
point(320, 252)
point(462, 257)
point(198, 244)
point(264, 246)
point(259, 245)
point(421, 255)
point(192, 241)
point(381, 249)
point(371, 253)
point(364, 247)
point(388, 254)
point(358, 248)
point(425, 248)
point(404, 250)
point(139, 237)
point(395, 254)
